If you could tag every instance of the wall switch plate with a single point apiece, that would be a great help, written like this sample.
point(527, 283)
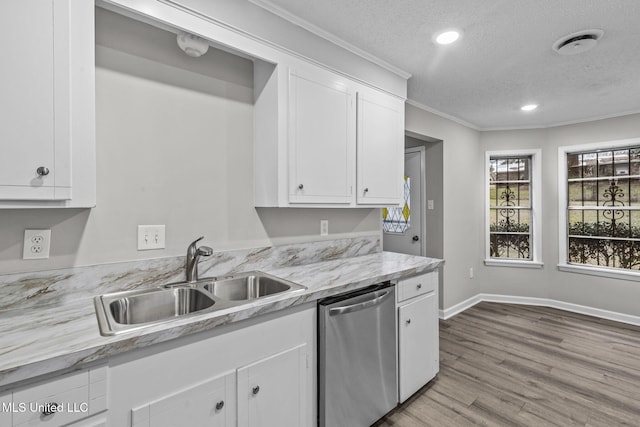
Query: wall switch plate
point(430, 204)
point(36, 244)
point(324, 227)
point(151, 237)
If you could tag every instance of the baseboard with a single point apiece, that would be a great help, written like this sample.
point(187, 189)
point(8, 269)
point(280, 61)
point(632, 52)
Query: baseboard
point(460, 307)
point(544, 302)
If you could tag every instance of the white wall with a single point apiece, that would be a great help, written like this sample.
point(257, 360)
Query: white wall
point(462, 167)
point(174, 147)
point(608, 294)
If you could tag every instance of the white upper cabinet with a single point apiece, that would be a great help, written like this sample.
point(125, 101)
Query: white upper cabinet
point(46, 109)
point(380, 148)
point(321, 138)
point(315, 146)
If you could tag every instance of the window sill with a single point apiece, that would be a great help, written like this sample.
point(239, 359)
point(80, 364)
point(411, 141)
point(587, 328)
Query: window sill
point(512, 263)
point(602, 272)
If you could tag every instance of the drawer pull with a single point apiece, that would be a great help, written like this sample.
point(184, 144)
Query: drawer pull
point(408, 321)
point(419, 286)
point(49, 409)
point(220, 405)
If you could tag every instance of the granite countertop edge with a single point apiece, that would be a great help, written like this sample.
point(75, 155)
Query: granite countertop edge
point(67, 338)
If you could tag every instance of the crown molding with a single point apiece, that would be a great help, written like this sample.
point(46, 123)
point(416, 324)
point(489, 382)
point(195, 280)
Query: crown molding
point(302, 23)
point(443, 115)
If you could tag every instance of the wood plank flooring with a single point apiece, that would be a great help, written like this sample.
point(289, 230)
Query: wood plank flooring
point(518, 365)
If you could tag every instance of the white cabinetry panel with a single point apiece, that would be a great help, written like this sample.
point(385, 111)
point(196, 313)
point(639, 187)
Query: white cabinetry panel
point(271, 391)
point(47, 108)
point(321, 137)
point(211, 403)
point(380, 148)
point(35, 41)
point(418, 344)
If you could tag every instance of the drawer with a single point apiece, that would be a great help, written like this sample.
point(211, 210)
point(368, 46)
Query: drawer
point(417, 285)
point(67, 399)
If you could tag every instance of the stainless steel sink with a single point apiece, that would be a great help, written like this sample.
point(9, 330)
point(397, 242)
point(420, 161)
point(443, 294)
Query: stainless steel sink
point(249, 286)
point(130, 310)
point(158, 304)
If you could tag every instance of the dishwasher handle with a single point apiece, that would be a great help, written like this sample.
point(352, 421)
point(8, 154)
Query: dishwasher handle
point(361, 305)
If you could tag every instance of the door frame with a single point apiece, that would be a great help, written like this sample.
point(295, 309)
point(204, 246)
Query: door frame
point(423, 195)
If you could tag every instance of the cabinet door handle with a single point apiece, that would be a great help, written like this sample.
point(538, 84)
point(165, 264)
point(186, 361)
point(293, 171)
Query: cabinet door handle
point(300, 187)
point(419, 286)
point(408, 321)
point(366, 190)
point(42, 171)
point(220, 405)
point(256, 390)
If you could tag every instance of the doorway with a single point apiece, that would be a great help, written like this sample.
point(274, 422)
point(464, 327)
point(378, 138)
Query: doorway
point(404, 226)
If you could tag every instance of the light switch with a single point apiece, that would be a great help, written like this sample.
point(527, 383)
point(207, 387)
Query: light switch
point(430, 204)
point(151, 237)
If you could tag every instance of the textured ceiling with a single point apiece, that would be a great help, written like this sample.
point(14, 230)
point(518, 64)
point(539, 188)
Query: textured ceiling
point(504, 58)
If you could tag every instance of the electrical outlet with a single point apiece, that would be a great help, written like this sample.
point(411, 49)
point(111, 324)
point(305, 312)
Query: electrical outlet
point(430, 204)
point(324, 227)
point(151, 237)
point(36, 244)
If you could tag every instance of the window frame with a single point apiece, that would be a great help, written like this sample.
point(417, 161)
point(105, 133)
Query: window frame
point(535, 186)
point(563, 200)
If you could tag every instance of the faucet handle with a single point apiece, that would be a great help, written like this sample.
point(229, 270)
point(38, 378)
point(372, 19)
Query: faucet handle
point(204, 251)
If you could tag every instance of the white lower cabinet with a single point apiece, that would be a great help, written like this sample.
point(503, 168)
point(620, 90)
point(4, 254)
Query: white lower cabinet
point(210, 403)
point(418, 346)
point(260, 372)
point(271, 390)
point(59, 401)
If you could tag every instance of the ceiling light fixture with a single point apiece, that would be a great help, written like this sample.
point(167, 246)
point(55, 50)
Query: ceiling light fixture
point(529, 107)
point(447, 37)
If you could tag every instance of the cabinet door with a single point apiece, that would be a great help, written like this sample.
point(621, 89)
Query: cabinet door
point(271, 391)
point(380, 148)
point(417, 344)
point(321, 138)
point(211, 404)
point(34, 109)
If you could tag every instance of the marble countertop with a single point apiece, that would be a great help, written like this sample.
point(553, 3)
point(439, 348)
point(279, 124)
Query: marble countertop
point(43, 340)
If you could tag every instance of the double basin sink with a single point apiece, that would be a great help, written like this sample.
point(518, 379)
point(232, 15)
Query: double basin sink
point(130, 310)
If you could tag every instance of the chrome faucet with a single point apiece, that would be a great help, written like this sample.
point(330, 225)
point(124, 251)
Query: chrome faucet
point(193, 256)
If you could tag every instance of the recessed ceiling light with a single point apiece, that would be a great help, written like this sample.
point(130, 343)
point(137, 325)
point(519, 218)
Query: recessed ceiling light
point(447, 37)
point(529, 107)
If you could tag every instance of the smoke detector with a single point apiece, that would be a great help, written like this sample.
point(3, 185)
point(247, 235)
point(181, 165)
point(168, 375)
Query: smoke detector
point(192, 45)
point(578, 42)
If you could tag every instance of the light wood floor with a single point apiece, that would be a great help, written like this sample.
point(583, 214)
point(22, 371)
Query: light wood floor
point(517, 365)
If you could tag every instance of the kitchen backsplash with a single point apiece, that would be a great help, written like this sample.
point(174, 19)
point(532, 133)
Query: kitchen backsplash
point(25, 290)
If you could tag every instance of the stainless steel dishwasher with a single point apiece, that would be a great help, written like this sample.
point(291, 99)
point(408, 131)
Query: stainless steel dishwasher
point(357, 380)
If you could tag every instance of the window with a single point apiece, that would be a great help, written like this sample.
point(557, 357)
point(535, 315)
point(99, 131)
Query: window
point(398, 219)
point(513, 204)
point(601, 221)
